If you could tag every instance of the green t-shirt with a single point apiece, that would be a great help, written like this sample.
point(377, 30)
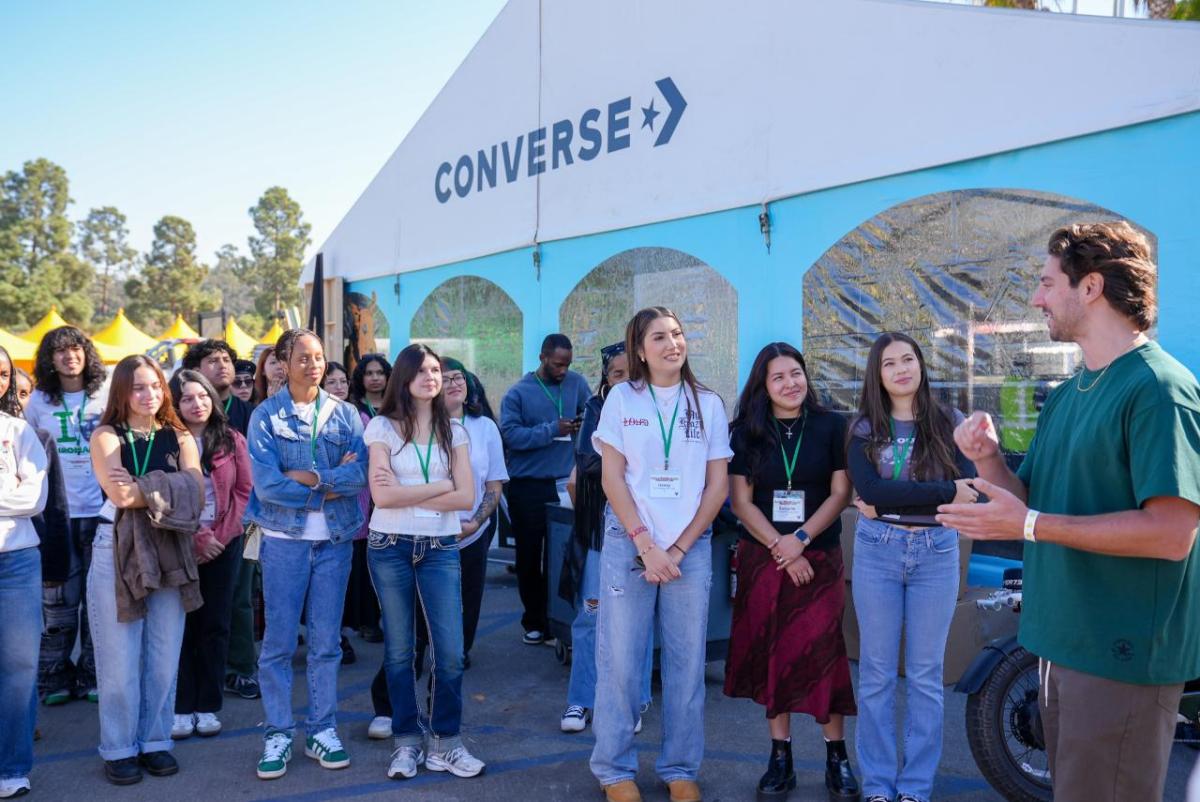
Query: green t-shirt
point(1132, 436)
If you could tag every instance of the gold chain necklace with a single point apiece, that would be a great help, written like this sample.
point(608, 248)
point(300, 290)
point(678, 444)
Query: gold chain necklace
point(1079, 379)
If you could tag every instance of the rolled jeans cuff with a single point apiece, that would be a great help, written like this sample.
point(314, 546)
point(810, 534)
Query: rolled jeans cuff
point(436, 745)
point(411, 739)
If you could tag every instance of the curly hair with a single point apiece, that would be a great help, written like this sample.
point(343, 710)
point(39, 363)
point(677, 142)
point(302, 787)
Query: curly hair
point(357, 390)
point(47, 377)
point(1120, 254)
point(196, 352)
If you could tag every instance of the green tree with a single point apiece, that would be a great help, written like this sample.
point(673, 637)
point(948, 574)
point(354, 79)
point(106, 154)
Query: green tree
point(37, 268)
point(104, 242)
point(172, 278)
point(225, 281)
point(277, 253)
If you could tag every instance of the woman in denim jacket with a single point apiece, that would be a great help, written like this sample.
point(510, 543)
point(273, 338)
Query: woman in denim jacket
point(305, 499)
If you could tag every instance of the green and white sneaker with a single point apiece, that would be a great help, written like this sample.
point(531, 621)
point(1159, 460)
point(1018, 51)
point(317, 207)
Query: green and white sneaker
point(277, 751)
point(326, 748)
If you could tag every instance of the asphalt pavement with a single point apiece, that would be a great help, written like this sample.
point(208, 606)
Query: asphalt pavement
point(514, 695)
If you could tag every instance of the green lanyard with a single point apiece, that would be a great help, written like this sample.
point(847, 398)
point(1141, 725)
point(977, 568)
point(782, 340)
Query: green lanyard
point(790, 466)
point(668, 432)
point(312, 433)
point(556, 401)
point(140, 466)
point(427, 459)
point(371, 408)
point(228, 404)
point(899, 455)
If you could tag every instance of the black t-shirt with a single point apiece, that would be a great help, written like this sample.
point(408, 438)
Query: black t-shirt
point(164, 451)
point(821, 452)
point(239, 414)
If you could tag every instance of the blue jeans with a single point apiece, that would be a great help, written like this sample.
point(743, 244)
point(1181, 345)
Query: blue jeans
point(582, 688)
point(293, 570)
point(136, 662)
point(902, 580)
point(20, 635)
point(420, 576)
point(629, 608)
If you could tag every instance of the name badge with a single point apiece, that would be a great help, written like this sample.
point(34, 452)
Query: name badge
point(209, 513)
point(421, 512)
point(665, 485)
point(566, 438)
point(788, 506)
point(109, 511)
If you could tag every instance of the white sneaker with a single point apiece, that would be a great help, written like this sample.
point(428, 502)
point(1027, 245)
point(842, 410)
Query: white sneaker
point(207, 724)
point(405, 761)
point(575, 719)
point(380, 728)
point(637, 727)
point(458, 761)
point(14, 786)
point(326, 748)
point(184, 726)
point(277, 751)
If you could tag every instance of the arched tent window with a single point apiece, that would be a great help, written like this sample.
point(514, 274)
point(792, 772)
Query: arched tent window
point(601, 304)
point(473, 320)
point(955, 270)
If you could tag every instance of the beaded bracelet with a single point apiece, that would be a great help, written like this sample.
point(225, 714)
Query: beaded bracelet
point(640, 530)
point(646, 550)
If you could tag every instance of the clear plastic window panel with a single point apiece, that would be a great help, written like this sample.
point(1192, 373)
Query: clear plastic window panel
point(956, 271)
point(474, 321)
point(597, 310)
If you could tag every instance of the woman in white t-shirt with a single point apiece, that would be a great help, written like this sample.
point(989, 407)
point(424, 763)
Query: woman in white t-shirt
point(420, 478)
point(664, 441)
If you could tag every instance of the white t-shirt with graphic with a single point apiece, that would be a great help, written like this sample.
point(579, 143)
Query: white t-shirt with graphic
point(487, 465)
point(70, 424)
point(406, 465)
point(630, 424)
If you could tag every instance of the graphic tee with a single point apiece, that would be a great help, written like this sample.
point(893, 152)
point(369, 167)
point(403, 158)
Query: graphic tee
point(1133, 436)
point(629, 423)
point(70, 424)
point(487, 465)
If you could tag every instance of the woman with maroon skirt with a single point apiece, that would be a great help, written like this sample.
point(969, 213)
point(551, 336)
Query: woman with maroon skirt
point(789, 486)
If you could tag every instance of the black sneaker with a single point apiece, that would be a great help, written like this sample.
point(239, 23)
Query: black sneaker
point(534, 637)
point(245, 687)
point(125, 771)
point(349, 658)
point(158, 764)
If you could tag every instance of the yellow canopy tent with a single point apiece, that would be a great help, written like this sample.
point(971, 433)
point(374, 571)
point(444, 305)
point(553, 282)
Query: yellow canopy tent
point(239, 340)
point(51, 320)
point(272, 334)
point(121, 338)
point(179, 330)
point(19, 349)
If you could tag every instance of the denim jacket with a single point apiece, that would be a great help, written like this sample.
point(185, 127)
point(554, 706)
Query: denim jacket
point(278, 442)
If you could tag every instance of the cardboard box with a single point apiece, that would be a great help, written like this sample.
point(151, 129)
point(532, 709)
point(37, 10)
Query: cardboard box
point(850, 518)
point(970, 630)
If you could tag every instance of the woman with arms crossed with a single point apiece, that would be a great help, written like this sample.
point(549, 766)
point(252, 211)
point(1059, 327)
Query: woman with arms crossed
point(664, 440)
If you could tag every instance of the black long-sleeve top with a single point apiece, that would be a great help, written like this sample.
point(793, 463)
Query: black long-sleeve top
point(904, 496)
point(53, 523)
point(589, 502)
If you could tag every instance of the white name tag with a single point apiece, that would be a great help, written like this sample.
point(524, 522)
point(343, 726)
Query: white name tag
point(566, 438)
point(209, 513)
point(788, 506)
point(109, 511)
point(421, 512)
point(665, 485)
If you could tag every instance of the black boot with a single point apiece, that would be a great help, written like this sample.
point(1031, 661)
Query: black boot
point(839, 778)
point(780, 776)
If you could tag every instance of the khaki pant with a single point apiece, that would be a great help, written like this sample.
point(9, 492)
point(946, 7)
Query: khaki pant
point(1107, 741)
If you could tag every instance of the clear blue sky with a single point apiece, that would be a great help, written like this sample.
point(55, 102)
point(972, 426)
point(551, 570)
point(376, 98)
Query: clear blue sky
point(194, 109)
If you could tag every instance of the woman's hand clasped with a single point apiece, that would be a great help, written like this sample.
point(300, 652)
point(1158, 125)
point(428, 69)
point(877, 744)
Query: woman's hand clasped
point(660, 567)
point(964, 493)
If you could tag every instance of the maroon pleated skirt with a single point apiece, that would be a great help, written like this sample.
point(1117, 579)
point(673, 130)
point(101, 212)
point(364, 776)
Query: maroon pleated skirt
point(786, 649)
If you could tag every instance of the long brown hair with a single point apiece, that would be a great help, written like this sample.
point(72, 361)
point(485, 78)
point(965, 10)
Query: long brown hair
point(261, 383)
point(754, 416)
point(934, 450)
point(639, 372)
point(399, 405)
point(117, 410)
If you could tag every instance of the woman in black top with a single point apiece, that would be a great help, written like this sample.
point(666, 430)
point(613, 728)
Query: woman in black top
point(789, 486)
point(136, 661)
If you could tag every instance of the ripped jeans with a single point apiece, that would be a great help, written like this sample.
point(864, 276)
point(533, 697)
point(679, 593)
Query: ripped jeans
point(629, 609)
point(582, 689)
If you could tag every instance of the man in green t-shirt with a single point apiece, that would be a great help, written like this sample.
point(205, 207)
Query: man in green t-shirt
point(1108, 501)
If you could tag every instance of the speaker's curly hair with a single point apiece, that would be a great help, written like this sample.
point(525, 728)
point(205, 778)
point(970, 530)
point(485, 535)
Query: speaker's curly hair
point(46, 376)
point(1120, 254)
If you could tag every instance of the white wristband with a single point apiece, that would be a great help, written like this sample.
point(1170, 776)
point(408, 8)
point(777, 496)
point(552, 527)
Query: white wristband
point(1030, 523)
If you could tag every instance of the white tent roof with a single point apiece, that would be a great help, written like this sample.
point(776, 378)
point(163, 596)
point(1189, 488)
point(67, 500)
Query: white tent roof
point(653, 111)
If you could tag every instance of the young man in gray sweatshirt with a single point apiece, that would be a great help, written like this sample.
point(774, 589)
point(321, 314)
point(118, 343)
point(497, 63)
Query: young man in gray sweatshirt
point(539, 418)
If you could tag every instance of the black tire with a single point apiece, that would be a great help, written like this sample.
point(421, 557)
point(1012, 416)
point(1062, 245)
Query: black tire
point(1004, 730)
point(562, 653)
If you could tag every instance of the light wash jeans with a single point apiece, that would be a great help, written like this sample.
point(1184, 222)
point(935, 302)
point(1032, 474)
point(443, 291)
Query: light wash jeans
point(413, 576)
point(629, 609)
point(582, 688)
point(902, 580)
point(20, 636)
point(293, 570)
point(136, 662)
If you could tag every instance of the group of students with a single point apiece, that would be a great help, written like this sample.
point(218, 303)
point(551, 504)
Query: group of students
point(415, 468)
